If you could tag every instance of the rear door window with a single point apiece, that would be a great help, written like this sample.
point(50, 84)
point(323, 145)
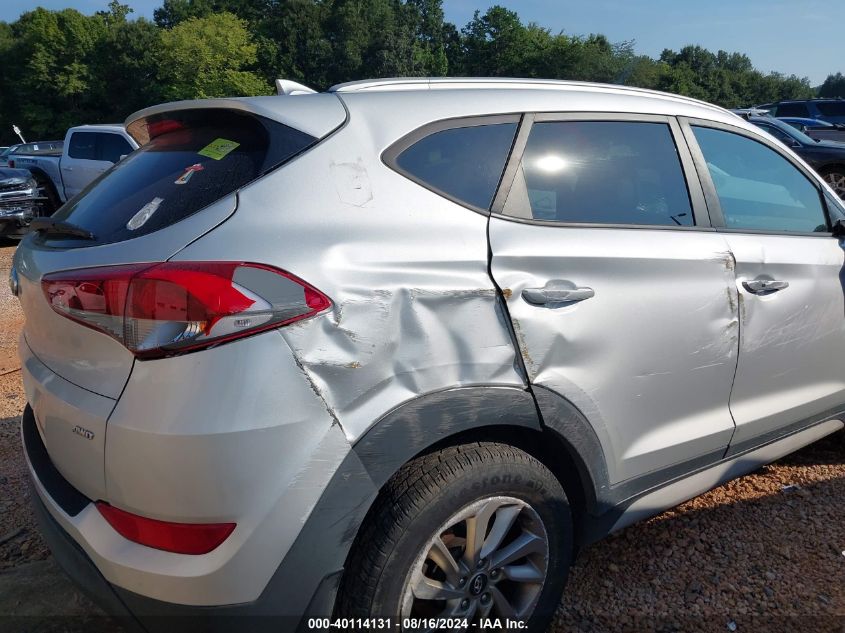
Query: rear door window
point(601, 172)
point(112, 146)
point(83, 145)
point(188, 160)
point(831, 108)
point(793, 109)
point(461, 163)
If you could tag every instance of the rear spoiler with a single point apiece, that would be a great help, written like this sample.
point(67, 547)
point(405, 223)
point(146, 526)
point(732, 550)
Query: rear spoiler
point(316, 114)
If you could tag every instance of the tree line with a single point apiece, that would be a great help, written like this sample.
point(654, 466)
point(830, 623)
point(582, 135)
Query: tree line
point(63, 68)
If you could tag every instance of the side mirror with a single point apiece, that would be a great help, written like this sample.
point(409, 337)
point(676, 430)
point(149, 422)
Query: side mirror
point(838, 228)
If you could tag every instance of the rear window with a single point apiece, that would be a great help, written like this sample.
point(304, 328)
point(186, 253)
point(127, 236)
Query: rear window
point(461, 163)
point(793, 109)
point(831, 108)
point(83, 145)
point(187, 161)
point(111, 147)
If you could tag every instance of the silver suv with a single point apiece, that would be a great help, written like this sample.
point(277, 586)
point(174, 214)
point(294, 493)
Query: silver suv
point(400, 349)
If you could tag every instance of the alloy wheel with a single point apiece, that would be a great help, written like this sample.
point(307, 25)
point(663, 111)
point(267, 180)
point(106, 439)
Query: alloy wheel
point(837, 182)
point(488, 560)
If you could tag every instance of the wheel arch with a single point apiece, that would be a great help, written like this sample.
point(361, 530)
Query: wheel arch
point(549, 428)
point(44, 180)
point(426, 423)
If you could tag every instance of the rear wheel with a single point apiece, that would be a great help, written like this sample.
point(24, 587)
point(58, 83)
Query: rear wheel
point(836, 179)
point(468, 532)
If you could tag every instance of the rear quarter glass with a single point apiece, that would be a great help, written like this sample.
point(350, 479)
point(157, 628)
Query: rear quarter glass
point(187, 161)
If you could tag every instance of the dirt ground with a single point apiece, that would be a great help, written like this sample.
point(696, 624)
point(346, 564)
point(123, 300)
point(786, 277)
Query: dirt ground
point(763, 553)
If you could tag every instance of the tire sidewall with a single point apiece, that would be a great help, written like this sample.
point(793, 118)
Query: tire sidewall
point(528, 482)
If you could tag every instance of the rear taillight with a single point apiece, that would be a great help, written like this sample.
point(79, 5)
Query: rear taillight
point(181, 538)
point(11, 163)
point(157, 310)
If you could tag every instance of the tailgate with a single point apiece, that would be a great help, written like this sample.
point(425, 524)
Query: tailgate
point(85, 357)
point(179, 185)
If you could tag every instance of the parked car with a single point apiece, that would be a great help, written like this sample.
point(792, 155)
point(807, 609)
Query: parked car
point(830, 110)
point(20, 202)
point(826, 157)
point(402, 348)
point(87, 151)
point(39, 147)
point(817, 129)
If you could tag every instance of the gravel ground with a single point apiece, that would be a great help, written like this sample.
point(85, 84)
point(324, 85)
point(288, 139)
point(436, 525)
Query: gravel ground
point(748, 556)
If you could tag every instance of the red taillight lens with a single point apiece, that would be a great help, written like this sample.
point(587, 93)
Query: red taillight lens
point(161, 309)
point(181, 538)
point(11, 163)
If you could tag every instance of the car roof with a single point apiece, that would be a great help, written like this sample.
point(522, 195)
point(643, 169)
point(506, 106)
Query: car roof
point(98, 127)
point(483, 84)
point(393, 107)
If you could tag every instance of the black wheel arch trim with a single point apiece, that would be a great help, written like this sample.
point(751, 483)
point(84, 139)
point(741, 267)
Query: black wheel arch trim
point(414, 426)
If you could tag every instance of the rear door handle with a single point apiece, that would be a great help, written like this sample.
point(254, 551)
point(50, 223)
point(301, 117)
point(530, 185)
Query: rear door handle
point(764, 286)
point(542, 296)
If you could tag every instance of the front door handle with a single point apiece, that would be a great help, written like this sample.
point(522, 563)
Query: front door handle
point(764, 286)
point(542, 296)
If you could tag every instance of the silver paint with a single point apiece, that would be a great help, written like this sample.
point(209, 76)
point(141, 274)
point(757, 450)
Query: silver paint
point(252, 431)
point(650, 358)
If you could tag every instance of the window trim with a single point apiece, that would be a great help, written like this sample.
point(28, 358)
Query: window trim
point(698, 206)
point(390, 155)
point(714, 205)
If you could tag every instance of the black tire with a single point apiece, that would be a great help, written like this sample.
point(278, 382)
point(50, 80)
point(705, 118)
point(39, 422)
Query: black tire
point(419, 501)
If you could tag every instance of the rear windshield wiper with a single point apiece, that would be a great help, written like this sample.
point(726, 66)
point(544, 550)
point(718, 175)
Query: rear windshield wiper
point(49, 226)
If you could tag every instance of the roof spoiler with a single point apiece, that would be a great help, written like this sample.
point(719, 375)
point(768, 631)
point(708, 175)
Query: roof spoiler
point(288, 87)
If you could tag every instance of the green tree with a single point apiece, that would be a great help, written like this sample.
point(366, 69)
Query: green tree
point(64, 68)
point(833, 86)
point(124, 68)
point(207, 57)
point(47, 78)
point(172, 12)
point(495, 44)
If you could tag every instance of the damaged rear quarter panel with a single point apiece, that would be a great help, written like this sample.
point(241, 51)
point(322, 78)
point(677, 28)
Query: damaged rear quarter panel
point(413, 307)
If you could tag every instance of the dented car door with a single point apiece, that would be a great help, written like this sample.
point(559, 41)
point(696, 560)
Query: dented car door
point(623, 300)
point(791, 369)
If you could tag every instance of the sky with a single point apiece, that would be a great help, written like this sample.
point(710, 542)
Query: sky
point(801, 37)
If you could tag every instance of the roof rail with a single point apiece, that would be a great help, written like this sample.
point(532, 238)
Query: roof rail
point(288, 87)
point(428, 83)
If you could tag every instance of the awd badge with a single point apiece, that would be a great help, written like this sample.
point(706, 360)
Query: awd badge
point(83, 432)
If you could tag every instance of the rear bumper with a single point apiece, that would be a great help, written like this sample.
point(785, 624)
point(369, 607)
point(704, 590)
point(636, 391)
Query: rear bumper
point(303, 586)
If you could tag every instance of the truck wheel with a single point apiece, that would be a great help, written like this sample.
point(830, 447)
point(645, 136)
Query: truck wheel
point(482, 530)
point(835, 177)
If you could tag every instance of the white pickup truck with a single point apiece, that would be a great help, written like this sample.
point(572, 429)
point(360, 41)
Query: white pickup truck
point(88, 151)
